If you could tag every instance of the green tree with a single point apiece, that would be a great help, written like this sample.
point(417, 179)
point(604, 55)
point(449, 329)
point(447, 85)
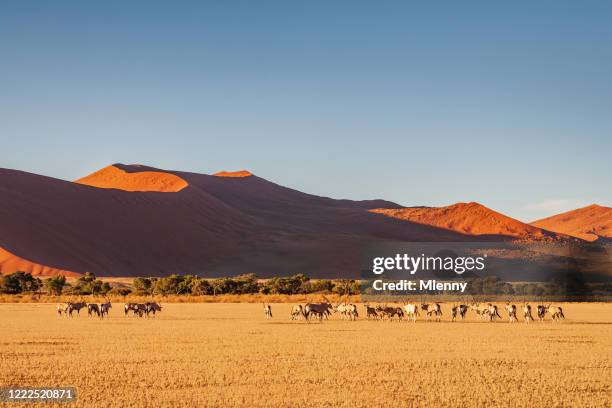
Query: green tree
point(246, 284)
point(201, 287)
point(55, 284)
point(143, 286)
point(19, 282)
point(121, 291)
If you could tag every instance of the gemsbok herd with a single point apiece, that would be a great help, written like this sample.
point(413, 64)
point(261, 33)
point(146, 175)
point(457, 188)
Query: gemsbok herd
point(410, 312)
point(102, 310)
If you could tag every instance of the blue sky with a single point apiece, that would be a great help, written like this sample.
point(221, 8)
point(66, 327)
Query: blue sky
point(422, 103)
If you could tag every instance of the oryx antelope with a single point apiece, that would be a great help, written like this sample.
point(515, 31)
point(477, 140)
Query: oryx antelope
point(104, 308)
point(129, 307)
point(319, 310)
point(556, 313)
point(140, 310)
point(492, 312)
point(348, 311)
point(527, 313)
point(297, 312)
point(511, 309)
point(71, 307)
point(267, 311)
point(390, 312)
point(93, 309)
point(460, 311)
point(481, 311)
point(542, 310)
point(370, 311)
point(432, 309)
point(62, 308)
point(412, 311)
point(153, 307)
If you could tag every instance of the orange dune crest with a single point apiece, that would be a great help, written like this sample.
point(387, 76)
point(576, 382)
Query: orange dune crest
point(589, 223)
point(240, 173)
point(467, 218)
point(154, 181)
point(10, 263)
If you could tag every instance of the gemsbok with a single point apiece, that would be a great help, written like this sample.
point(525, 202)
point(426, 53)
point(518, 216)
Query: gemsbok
point(481, 311)
point(105, 308)
point(542, 312)
point(347, 311)
point(390, 312)
point(412, 311)
point(432, 309)
point(297, 312)
point(75, 306)
point(556, 313)
point(492, 312)
point(511, 309)
point(371, 311)
point(153, 307)
point(140, 310)
point(267, 311)
point(129, 307)
point(319, 310)
point(527, 313)
point(93, 309)
point(463, 309)
point(62, 308)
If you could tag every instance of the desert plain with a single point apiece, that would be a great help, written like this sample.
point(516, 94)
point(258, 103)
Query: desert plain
point(229, 355)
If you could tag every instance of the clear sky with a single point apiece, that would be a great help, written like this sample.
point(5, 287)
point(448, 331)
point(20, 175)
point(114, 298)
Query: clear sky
point(422, 103)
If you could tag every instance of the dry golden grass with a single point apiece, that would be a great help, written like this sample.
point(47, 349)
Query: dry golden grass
point(228, 355)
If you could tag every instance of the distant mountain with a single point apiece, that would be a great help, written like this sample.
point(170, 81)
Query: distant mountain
point(590, 223)
point(133, 220)
point(470, 218)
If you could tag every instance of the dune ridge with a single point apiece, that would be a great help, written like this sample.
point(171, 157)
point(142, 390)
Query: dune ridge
point(10, 263)
point(591, 223)
point(209, 227)
point(190, 223)
point(237, 174)
point(153, 181)
point(469, 218)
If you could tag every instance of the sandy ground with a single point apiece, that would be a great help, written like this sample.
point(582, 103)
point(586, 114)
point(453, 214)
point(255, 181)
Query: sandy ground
point(228, 355)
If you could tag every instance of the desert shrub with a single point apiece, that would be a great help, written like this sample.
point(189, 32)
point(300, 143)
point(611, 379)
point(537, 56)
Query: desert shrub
point(200, 287)
point(346, 287)
point(143, 286)
point(87, 284)
point(120, 291)
point(245, 284)
point(286, 286)
point(55, 284)
point(19, 282)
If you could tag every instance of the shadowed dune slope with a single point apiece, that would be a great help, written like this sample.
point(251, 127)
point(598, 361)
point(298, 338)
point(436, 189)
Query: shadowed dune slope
point(191, 223)
point(10, 263)
point(590, 223)
point(470, 218)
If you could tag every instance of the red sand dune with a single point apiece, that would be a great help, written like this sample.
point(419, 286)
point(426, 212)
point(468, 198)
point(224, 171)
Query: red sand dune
point(589, 223)
point(188, 223)
point(469, 218)
point(115, 177)
point(10, 263)
point(241, 173)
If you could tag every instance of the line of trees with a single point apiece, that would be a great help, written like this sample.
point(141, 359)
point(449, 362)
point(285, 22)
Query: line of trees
point(240, 285)
point(24, 282)
point(88, 284)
